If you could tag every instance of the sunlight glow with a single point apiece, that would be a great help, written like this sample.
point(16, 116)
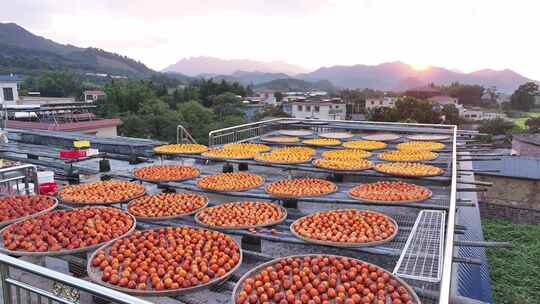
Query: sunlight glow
point(420, 67)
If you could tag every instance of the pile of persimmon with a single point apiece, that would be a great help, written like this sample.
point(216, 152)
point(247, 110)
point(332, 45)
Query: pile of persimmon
point(345, 226)
point(364, 144)
point(247, 147)
point(343, 164)
point(229, 154)
point(60, 230)
point(408, 169)
point(168, 258)
point(345, 154)
point(234, 181)
point(390, 191)
point(420, 146)
point(241, 214)
point(17, 206)
point(301, 187)
point(102, 192)
point(408, 155)
point(321, 279)
point(322, 142)
point(166, 172)
point(288, 155)
point(181, 149)
point(281, 139)
point(166, 204)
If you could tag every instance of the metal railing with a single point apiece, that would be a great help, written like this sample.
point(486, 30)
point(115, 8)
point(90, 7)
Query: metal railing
point(183, 136)
point(11, 287)
point(251, 131)
point(445, 292)
point(12, 177)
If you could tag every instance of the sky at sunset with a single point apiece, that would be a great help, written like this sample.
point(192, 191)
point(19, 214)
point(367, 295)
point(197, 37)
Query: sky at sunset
point(458, 34)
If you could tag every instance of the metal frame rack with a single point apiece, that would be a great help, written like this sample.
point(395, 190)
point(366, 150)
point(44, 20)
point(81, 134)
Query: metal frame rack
point(423, 251)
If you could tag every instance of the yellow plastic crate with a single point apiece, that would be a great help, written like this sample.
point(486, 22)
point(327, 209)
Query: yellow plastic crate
point(80, 144)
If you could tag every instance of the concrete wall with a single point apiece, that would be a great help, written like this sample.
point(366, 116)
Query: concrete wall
point(525, 149)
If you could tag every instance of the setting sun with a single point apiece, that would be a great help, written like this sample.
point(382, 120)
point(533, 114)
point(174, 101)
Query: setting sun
point(420, 67)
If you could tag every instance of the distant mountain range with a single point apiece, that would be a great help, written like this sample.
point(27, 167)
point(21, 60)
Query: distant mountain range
point(398, 76)
point(195, 66)
point(22, 52)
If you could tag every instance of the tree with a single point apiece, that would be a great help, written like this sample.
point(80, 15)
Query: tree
point(197, 119)
point(533, 124)
point(523, 98)
point(451, 114)
point(420, 111)
point(56, 84)
point(278, 95)
point(465, 93)
point(159, 120)
point(497, 126)
point(128, 95)
point(227, 104)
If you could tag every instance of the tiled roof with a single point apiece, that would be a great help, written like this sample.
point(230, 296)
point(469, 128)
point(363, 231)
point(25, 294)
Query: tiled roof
point(511, 166)
point(72, 126)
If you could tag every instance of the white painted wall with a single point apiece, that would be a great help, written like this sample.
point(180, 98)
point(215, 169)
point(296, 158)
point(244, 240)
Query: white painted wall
point(319, 111)
point(380, 102)
point(10, 85)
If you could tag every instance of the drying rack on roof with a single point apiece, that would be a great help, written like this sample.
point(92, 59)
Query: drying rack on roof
point(422, 252)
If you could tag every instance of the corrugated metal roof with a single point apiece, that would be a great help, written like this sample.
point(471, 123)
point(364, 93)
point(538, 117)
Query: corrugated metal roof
point(511, 166)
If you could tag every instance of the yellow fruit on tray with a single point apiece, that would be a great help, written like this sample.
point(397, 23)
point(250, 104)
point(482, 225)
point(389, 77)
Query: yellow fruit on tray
point(345, 226)
point(420, 146)
point(230, 154)
point(166, 204)
point(103, 192)
point(166, 172)
point(346, 154)
point(289, 155)
point(364, 144)
point(181, 149)
point(408, 169)
point(301, 187)
point(343, 164)
point(390, 191)
point(236, 181)
point(322, 142)
point(408, 155)
point(247, 147)
point(241, 214)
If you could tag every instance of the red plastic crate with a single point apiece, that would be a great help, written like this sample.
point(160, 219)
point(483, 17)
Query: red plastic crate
point(72, 154)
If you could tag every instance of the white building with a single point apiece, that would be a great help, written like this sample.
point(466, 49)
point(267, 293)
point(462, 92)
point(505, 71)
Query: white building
point(319, 110)
point(93, 95)
point(9, 93)
point(477, 114)
point(380, 102)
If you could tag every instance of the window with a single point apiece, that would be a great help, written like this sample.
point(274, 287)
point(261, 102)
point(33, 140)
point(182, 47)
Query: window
point(8, 94)
point(317, 108)
point(380, 102)
point(372, 102)
point(299, 108)
point(308, 108)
